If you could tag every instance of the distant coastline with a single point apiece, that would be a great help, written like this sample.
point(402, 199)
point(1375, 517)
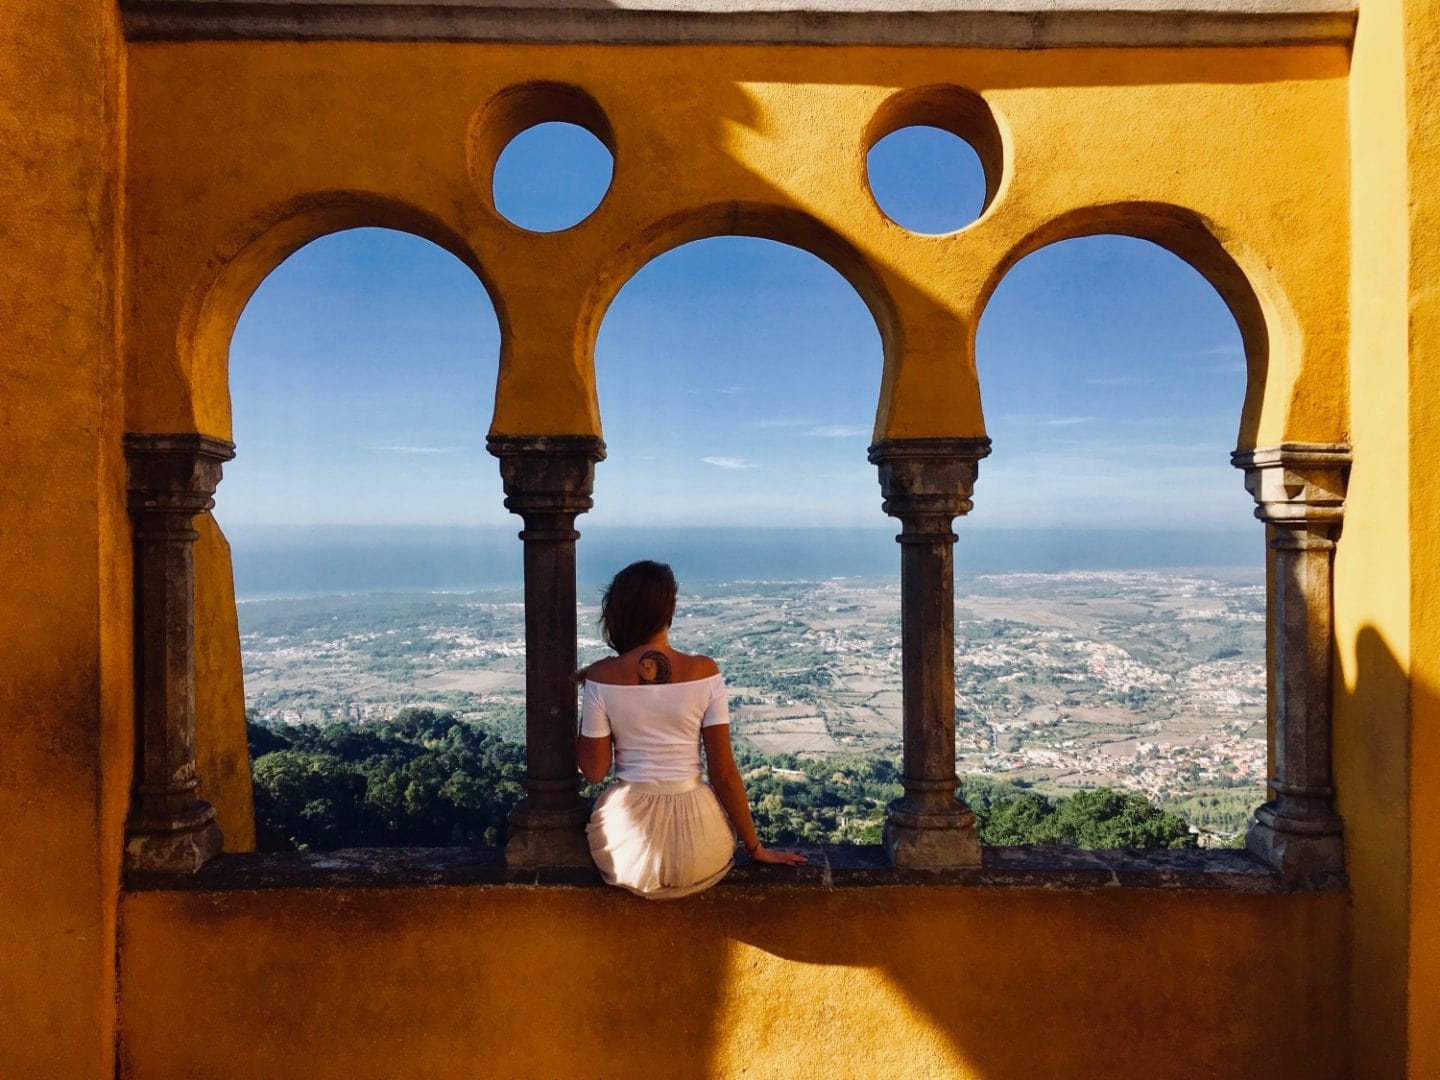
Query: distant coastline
point(274, 561)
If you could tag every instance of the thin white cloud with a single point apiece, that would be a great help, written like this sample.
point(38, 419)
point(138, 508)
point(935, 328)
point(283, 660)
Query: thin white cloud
point(1121, 380)
point(1016, 419)
point(837, 431)
point(1216, 353)
point(779, 422)
point(1217, 350)
point(729, 463)
point(415, 449)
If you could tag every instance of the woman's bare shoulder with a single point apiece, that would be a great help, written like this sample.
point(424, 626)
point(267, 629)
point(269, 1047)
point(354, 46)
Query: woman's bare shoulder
point(699, 666)
point(624, 670)
point(604, 670)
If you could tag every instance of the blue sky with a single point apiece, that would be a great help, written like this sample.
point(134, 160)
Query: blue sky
point(738, 377)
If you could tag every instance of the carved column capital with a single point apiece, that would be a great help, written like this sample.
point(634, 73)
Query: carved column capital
point(547, 475)
point(927, 483)
point(1297, 484)
point(174, 473)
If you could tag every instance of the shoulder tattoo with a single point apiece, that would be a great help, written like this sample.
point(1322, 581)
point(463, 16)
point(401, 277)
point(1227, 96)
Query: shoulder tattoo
point(654, 667)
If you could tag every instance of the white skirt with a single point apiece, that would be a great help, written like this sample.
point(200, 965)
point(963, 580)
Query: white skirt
point(661, 840)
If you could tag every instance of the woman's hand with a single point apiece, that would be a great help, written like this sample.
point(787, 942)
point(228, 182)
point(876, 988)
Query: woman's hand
point(730, 790)
point(776, 857)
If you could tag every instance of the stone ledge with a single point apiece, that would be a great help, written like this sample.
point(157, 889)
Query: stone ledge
point(829, 869)
point(1001, 24)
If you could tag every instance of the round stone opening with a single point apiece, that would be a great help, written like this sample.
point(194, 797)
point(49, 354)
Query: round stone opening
point(926, 179)
point(551, 177)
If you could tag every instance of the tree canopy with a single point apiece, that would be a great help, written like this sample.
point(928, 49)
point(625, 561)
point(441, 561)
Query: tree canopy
point(422, 779)
point(1101, 818)
point(429, 778)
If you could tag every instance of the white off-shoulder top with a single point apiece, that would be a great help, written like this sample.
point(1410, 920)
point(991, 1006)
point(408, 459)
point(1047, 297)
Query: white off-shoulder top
point(656, 726)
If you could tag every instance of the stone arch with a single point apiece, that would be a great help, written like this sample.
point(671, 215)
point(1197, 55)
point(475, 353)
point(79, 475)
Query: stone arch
point(258, 247)
point(180, 459)
point(1269, 331)
point(787, 360)
point(1293, 449)
point(785, 226)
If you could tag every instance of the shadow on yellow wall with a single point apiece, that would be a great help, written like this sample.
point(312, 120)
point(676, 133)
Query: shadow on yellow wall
point(758, 981)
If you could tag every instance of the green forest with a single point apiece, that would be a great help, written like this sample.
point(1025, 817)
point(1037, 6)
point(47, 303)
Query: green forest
point(429, 778)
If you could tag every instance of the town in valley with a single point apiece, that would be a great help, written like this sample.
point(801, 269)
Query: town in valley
point(1150, 682)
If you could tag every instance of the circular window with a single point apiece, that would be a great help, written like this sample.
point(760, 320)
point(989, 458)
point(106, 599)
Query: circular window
point(551, 176)
point(926, 179)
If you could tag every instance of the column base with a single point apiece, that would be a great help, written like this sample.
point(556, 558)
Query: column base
point(548, 837)
point(931, 839)
point(1314, 858)
point(181, 851)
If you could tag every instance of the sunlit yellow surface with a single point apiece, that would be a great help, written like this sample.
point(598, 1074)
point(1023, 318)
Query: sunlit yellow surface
point(883, 982)
point(1372, 604)
point(1422, 60)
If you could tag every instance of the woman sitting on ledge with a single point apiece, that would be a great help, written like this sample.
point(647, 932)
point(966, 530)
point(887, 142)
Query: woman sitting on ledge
point(660, 831)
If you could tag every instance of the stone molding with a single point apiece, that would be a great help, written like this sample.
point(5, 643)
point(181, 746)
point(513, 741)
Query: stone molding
point(830, 867)
point(503, 446)
point(1006, 24)
point(171, 479)
point(1299, 490)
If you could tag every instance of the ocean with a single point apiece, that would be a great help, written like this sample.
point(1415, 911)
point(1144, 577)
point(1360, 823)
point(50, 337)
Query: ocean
point(274, 561)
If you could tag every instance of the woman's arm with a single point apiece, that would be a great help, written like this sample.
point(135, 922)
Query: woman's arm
point(593, 756)
point(730, 788)
point(593, 751)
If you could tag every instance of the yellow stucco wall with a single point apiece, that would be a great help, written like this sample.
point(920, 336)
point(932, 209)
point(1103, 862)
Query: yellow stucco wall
point(1372, 608)
point(1422, 53)
point(761, 140)
point(1388, 710)
point(64, 563)
point(912, 982)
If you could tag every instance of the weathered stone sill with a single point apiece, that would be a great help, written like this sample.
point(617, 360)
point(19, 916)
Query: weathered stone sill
point(830, 868)
point(1007, 24)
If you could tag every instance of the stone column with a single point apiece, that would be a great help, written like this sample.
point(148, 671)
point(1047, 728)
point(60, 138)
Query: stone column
point(171, 479)
point(548, 480)
point(927, 484)
point(1300, 492)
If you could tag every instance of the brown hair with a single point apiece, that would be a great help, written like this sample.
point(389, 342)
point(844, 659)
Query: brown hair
point(637, 604)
